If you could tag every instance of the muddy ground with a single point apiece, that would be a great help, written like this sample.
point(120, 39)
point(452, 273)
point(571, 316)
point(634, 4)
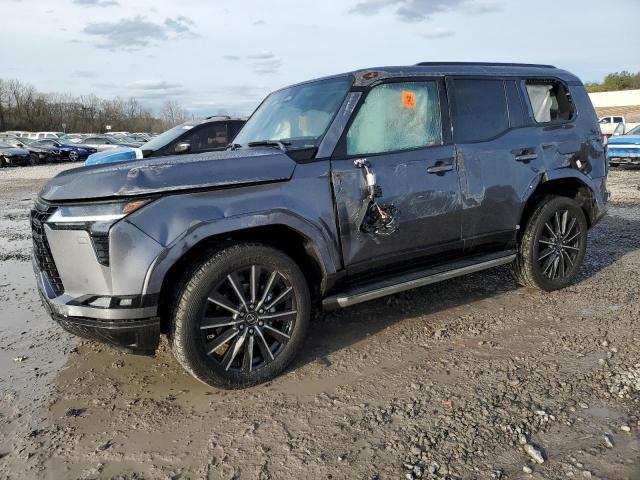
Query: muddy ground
point(442, 382)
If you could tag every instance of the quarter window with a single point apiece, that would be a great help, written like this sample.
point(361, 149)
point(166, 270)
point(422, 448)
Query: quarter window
point(396, 117)
point(480, 109)
point(550, 101)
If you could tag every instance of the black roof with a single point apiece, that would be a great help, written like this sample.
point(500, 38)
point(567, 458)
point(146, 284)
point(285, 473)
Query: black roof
point(366, 76)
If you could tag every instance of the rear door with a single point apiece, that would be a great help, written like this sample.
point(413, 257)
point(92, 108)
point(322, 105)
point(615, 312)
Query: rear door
point(499, 156)
point(401, 128)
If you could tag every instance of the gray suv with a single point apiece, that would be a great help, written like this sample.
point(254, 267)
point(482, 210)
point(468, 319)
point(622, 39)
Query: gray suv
point(336, 191)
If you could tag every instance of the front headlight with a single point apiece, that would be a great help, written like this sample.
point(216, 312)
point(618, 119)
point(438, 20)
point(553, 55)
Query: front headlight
point(96, 219)
point(96, 212)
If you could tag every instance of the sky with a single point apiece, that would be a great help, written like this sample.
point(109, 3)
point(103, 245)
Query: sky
point(224, 56)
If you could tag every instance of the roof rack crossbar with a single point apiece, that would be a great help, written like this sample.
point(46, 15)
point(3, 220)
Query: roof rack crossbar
point(484, 64)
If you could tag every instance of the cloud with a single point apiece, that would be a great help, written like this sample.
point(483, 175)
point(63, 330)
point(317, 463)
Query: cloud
point(418, 10)
point(265, 62)
point(96, 3)
point(155, 88)
point(258, 22)
point(180, 24)
point(437, 33)
point(84, 74)
point(231, 58)
point(136, 32)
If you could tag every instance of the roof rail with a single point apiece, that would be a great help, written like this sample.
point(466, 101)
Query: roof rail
point(485, 64)
point(218, 116)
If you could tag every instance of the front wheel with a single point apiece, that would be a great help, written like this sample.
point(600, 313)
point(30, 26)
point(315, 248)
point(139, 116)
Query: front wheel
point(73, 156)
point(240, 316)
point(553, 245)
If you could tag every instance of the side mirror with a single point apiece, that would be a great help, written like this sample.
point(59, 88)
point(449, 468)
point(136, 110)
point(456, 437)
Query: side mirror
point(182, 148)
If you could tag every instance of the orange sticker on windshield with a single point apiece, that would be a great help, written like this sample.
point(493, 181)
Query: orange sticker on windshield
point(408, 99)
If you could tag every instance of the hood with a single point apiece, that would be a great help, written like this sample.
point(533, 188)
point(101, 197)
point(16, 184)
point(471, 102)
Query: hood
point(174, 173)
point(624, 140)
point(14, 151)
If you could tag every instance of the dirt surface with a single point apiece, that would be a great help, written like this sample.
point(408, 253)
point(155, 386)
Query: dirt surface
point(448, 381)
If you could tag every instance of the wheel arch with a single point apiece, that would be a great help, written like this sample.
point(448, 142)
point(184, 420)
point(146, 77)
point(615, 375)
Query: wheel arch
point(570, 186)
point(302, 249)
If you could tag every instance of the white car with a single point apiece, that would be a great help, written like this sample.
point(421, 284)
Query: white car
point(608, 124)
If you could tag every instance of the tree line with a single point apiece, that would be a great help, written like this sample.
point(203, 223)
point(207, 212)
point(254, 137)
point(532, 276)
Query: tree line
point(22, 107)
point(616, 81)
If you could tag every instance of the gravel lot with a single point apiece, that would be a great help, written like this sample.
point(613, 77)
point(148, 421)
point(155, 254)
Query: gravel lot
point(470, 378)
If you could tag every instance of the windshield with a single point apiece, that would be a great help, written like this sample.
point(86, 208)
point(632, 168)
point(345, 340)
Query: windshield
point(299, 115)
point(167, 137)
point(4, 145)
point(634, 131)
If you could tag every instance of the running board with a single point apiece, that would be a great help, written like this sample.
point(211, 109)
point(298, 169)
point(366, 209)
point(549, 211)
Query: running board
point(402, 283)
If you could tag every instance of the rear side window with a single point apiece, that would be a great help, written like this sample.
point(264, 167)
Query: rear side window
point(396, 117)
point(550, 101)
point(479, 110)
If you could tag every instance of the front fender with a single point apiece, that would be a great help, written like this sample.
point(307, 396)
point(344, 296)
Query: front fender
point(319, 241)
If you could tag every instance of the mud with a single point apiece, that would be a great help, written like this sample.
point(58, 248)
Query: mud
point(446, 381)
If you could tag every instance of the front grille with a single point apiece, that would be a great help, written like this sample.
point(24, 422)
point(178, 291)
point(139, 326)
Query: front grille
point(41, 251)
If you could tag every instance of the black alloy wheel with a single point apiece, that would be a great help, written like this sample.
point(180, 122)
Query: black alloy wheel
point(249, 318)
point(559, 244)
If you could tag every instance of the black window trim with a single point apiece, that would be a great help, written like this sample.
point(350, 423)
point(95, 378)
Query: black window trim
point(340, 151)
point(527, 100)
point(450, 79)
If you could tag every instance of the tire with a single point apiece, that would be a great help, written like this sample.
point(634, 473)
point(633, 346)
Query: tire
point(614, 164)
point(73, 156)
point(212, 289)
point(33, 159)
point(547, 258)
point(48, 159)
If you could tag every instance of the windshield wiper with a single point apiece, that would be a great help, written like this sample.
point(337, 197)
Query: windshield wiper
point(270, 143)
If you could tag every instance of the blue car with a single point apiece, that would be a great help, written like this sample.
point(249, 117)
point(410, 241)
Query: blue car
point(625, 148)
point(68, 151)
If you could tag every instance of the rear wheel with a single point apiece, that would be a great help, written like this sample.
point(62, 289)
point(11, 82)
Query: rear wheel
point(241, 316)
point(553, 245)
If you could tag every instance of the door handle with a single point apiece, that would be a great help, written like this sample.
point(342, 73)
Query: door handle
point(439, 169)
point(526, 157)
point(524, 154)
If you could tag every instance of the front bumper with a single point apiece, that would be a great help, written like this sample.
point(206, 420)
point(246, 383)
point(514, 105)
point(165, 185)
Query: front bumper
point(94, 289)
point(135, 329)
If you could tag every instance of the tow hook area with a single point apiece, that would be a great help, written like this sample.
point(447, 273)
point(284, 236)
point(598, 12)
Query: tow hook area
point(379, 220)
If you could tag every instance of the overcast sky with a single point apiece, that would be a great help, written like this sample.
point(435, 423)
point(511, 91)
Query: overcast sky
point(226, 55)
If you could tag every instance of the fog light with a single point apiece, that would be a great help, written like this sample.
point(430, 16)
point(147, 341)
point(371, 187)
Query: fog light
point(126, 302)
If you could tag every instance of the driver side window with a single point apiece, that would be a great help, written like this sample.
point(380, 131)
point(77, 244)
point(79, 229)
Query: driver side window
point(397, 117)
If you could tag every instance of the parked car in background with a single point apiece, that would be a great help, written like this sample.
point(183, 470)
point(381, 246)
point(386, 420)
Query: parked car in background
point(17, 133)
point(11, 156)
point(336, 191)
point(624, 149)
point(39, 153)
point(41, 135)
point(609, 124)
point(69, 151)
point(193, 136)
point(107, 142)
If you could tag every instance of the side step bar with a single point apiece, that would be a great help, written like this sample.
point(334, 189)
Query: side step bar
point(348, 298)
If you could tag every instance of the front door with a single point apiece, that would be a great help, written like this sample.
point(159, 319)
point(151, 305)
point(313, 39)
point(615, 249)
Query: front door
point(401, 131)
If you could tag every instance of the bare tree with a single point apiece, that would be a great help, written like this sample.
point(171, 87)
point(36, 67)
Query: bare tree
point(24, 108)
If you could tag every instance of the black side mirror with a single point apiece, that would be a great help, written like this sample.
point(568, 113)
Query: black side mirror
point(182, 147)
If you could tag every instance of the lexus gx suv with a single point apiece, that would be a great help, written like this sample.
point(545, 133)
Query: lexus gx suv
point(336, 191)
